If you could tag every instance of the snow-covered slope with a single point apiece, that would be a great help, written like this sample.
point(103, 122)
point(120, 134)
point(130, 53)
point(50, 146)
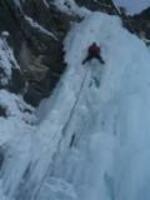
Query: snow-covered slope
point(110, 136)
point(92, 140)
point(16, 125)
point(132, 6)
point(7, 61)
point(70, 7)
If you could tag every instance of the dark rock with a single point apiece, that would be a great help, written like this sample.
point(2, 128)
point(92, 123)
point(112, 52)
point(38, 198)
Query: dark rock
point(2, 157)
point(2, 75)
point(143, 25)
point(29, 44)
point(144, 15)
point(17, 82)
point(103, 5)
point(33, 97)
point(35, 93)
point(3, 111)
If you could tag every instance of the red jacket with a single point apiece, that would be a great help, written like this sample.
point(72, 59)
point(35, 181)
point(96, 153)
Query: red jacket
point(94, 50)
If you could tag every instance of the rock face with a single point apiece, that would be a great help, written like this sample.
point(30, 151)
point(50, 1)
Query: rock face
point(143, 24)
point(36, 35)
point(103, 5)
point(2, 111)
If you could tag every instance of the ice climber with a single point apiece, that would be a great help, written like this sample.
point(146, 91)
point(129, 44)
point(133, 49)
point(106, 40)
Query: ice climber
point(94, 51)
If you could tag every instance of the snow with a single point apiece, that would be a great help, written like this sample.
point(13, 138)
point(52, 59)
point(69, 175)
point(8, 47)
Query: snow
point(15, 141)
point(15, 106)
point(132, 6)
point(70, 7)
point(7, 60)
point(103, 107)
point(35, 25)
point(18, 3)
point(16, 127)
point(3, 197)
point(107, 161)
point(4, 34)
point(46, 3)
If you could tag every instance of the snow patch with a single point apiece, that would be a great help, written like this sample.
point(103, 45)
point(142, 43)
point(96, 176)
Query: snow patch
point(132, 6)
point(96, 130)
point(35, 25)
point(70, 7)
point(46, 3)
point(7, 60)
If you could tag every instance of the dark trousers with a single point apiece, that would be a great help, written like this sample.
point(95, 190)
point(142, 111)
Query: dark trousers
point(89, 57)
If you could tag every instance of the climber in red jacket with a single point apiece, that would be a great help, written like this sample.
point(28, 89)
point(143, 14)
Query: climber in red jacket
point(94, 51)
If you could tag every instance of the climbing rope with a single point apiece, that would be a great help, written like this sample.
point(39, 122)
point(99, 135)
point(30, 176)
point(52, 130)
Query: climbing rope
point(75, 104)
point(64, 130)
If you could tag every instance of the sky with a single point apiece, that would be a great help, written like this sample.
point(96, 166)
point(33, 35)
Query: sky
point(133, 6)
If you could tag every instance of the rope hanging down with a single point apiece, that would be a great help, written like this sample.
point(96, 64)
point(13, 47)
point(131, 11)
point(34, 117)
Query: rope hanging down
point(75, 104)
point(35, 195)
